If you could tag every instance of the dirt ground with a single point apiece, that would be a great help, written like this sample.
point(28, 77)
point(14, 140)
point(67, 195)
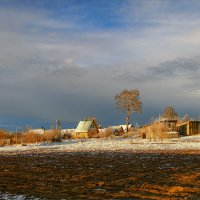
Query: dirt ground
point(103, 175)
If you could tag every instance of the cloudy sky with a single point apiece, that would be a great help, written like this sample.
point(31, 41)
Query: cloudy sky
point(68, 59)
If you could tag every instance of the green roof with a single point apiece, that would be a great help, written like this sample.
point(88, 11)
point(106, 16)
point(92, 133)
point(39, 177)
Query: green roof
point(84, 126)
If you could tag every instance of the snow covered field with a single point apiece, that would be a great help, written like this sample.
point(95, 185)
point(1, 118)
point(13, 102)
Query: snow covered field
point(117, 144)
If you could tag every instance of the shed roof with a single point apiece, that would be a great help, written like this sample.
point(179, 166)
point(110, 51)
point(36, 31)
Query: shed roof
point(84, 126)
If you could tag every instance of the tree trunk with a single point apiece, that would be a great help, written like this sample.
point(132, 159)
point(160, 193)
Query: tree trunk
point(127, 119)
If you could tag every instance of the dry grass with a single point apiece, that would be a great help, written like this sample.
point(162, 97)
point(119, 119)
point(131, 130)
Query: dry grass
point(47, 136)
point(16, 138)
point(31, 137)
point(4, 134)
point(52, 136)
point(105, 134)
point(27, 137)
point(4, 138)
point(157, 131)
point(130, 134)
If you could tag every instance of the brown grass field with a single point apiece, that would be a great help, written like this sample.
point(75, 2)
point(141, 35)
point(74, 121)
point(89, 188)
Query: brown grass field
point(102, 175)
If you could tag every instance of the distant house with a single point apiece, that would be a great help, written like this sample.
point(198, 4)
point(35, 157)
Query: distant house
point(86, 129)
point(189, 128)
point(130, 126)
point(116, 130)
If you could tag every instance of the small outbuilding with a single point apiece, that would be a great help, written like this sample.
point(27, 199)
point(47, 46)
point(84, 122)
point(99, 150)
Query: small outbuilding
point(189, 128)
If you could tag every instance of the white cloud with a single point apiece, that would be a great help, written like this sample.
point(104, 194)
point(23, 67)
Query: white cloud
point(47, 72)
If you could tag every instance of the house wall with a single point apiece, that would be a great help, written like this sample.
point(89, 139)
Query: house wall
point(78, 135)
point(92, 132)
point(194, 128)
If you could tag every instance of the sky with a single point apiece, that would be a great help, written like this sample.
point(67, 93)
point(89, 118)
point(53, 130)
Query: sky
point(67, 59)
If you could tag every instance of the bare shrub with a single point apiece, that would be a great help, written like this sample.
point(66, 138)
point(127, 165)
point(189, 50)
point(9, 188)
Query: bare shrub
point(157, 131)
point(52, 136)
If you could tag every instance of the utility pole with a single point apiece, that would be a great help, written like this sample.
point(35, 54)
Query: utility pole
point(58, 125)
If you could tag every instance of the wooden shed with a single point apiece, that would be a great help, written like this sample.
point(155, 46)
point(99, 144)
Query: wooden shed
point(86, 129)
point(189, 128)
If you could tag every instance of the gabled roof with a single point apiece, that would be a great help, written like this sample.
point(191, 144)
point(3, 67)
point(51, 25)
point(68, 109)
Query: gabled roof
point(124, 126)
point(85, 125)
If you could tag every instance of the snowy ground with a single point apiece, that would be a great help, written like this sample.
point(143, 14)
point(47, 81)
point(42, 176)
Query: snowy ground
point(117, 144)
point(8, 196)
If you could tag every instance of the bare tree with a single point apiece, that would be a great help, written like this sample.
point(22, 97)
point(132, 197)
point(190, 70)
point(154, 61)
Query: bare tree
point(170, 113)
point(129, 101)
point(185, 118)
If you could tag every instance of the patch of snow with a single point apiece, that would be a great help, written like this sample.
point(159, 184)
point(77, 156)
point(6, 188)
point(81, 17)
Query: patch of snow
point(8, 196)
point(114, 144)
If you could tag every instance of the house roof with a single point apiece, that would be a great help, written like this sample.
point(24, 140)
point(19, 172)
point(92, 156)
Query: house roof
point(84, 126)
point(115, 127)
point(124, 126)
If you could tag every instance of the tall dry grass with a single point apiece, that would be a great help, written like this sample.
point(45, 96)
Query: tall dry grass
point(52, 136)
point(16, 138)
point(157, 132)
point(4, 134)
point(47, 136)
point(4, 138)
point(27, 137)
point(105, 134)
point(31, 137)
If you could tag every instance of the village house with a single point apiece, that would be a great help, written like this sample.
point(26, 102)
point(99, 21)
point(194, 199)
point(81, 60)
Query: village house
point(130, 127)
point(116, 130)
point(86, 129)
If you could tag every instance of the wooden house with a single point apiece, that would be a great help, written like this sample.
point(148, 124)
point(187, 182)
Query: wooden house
point(86, 129)
point(189, 128)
